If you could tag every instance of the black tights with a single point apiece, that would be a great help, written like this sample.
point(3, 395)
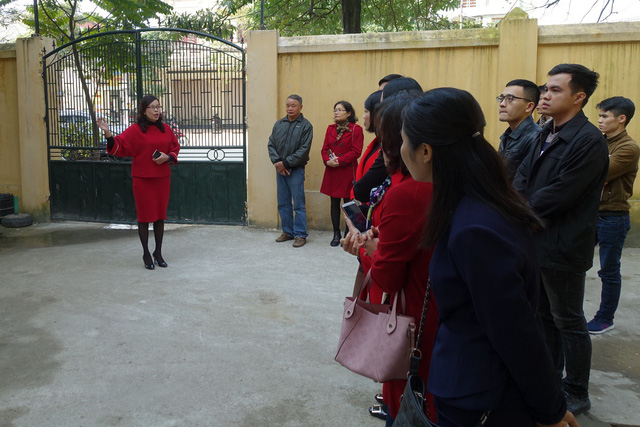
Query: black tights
point(158, 234)
point(336, 213)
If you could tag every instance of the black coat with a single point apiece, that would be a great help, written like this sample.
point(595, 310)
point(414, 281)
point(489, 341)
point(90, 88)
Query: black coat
point(563, 187)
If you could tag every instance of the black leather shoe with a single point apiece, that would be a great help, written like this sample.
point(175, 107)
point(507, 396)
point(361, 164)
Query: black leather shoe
point(378, 398)
point(336, 239)
point(379, 411)
point(577, 405)
point(157, 259)
point(148, 262)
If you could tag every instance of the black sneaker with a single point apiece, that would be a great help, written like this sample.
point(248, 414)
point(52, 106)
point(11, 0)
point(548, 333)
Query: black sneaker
point(577, 405)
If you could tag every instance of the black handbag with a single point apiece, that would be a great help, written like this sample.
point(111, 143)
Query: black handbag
point(411, 412)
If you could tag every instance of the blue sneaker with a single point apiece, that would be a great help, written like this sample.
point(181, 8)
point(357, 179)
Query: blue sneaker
point(599, 326)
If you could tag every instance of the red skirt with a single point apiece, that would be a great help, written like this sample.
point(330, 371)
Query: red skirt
point(152, 198)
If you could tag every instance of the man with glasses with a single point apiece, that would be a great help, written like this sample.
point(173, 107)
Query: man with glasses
point(516, 104)
point(562, 179)
point(289, 146)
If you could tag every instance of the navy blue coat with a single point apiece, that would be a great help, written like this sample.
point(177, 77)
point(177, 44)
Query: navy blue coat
point(485, 278)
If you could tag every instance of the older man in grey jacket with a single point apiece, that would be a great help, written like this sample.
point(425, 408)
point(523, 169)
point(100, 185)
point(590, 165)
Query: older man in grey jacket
point(289, 146)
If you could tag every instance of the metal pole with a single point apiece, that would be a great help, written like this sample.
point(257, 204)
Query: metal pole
point(261, 14)
point(35, 16)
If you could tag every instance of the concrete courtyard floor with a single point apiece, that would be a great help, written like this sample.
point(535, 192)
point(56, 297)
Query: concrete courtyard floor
point(238, 331)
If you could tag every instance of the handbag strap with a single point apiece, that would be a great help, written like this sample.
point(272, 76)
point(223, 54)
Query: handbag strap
point(368, 279)
point(416, 354)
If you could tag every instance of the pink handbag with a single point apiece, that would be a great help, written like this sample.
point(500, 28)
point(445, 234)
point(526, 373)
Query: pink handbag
point(375, 341)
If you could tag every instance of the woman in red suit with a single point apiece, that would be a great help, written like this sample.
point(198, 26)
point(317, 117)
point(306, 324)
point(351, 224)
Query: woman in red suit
point(392, 248)
point(152, 145)
point(340, 151)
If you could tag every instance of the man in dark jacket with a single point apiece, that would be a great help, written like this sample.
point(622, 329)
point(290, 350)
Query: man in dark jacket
point(516, 103)
point(562, 178)
point(613, 221)
point(289, 146)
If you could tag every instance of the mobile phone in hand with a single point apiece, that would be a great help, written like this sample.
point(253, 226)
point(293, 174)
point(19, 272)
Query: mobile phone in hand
point(156, 154)
point(355, 215)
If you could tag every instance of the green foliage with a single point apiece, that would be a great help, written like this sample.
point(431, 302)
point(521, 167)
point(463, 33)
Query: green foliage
point(212, 21)
point(76, 135)
point(307, 17)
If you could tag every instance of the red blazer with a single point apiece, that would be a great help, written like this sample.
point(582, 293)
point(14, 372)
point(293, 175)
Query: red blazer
point(400, 262)
point(134, 143)
point(365, 164)
point(337, 182)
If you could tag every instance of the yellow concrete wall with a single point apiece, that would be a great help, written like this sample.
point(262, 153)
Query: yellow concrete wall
point(325, 69)
point(10, 177)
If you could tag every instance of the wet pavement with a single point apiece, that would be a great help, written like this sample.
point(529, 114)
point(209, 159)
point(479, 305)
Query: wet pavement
point(238, 331)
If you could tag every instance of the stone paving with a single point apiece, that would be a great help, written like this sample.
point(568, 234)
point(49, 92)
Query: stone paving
point(238, 331)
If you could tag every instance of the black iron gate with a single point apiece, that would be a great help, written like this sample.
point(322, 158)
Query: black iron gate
point(200, 82)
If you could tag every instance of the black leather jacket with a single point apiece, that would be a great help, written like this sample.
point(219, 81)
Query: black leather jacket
point(563, 187)
point(290, 142)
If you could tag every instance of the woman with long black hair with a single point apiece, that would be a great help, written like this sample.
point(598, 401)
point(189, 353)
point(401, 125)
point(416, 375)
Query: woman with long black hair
point(152, 145)
point(489, 354)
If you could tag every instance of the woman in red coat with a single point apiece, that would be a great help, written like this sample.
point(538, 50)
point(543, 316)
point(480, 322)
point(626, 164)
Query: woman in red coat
point(392, 248)
point(340, 151)
point(153, 146)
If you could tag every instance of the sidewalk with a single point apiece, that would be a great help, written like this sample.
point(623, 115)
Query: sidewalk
point(238, 331)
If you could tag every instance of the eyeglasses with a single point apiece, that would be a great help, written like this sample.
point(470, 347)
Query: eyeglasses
point(337, 110)
point(509, 98)
point(156, 108)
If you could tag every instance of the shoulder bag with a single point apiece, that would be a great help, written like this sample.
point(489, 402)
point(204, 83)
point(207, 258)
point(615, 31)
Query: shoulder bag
point(374, 339)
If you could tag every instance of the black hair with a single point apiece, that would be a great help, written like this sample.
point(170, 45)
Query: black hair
point(400, 85)
point(371, 104)
point(142, 119)
point(347, 106)
point(451, 121)
point(530, 89)
point(388, 78)
point(582, 79)
point(296, 97)
point(618, 105)
point(388, 122)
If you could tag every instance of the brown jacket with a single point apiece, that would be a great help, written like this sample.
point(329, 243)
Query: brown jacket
point(623, 167)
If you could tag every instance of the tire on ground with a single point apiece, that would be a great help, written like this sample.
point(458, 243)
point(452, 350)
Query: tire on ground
point(20, 220)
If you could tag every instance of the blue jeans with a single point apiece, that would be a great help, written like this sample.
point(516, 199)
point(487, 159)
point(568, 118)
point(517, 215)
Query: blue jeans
point(565, 328)
point(292, 186)
point(611, 233)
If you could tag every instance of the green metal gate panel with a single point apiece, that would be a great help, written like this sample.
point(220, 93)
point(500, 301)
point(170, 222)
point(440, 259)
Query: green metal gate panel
point(98, 191)
point(200, 81)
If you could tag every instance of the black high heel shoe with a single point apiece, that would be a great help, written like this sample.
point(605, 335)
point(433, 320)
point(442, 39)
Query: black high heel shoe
point(159, 260)
point(148, 264)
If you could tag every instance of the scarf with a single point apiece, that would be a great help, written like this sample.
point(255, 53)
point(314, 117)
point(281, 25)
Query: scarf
point(376, 195)
point(341, 128)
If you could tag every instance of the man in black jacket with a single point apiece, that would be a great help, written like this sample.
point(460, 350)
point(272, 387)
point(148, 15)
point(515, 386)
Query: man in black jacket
point(562, 178)
point(289, 146)
point(516, 103)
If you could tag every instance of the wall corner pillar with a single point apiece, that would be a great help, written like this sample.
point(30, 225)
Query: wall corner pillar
point(33, 133)
point(262, 112)
point(518, 49)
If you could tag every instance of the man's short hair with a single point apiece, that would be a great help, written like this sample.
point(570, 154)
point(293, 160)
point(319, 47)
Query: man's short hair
point(618, 105)
point(582, 78)
point(388, 78)
point(296, 97)
point(531, 90)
